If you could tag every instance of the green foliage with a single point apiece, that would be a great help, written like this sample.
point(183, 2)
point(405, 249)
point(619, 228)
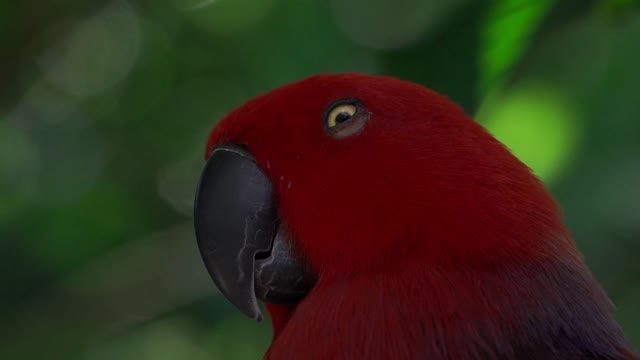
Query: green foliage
point(105, 107)
point(506, 33)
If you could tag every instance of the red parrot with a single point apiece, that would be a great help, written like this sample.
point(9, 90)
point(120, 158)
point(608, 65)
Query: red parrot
point(377, 221)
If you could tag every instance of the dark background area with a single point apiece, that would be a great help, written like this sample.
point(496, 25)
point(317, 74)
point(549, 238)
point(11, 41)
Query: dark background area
point(105, 107)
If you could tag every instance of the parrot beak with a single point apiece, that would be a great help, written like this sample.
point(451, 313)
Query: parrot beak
point(245, 250)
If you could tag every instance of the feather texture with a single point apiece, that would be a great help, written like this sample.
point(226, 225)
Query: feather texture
point(431, 241)
point(413, 311)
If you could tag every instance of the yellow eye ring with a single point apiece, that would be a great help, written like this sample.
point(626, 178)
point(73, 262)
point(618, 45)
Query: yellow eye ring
point(340, 114)
point(344, 118)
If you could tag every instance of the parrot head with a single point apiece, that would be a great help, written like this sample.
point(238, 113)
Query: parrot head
point(338, 174)
point(345, 200)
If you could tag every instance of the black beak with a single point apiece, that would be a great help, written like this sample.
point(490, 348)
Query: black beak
point(244, 248)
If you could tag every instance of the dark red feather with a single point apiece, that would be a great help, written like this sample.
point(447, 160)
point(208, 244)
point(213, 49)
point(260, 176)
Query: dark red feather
point(430, 239)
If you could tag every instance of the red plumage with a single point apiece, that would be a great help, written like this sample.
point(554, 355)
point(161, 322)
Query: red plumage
point(431, 241)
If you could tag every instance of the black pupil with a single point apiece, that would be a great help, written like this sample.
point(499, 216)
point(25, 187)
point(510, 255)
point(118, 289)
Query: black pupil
point(342, 117)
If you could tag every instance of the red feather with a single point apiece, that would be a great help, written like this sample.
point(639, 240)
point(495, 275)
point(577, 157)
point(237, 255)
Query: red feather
point(430, 239)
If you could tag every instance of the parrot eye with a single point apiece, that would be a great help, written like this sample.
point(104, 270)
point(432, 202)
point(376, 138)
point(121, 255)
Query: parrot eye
point(344, 117)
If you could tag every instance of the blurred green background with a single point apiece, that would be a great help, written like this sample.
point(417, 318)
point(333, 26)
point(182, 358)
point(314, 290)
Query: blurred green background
point(105, 107)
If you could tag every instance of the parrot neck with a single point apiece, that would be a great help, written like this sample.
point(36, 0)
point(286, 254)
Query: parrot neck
point(415, 311)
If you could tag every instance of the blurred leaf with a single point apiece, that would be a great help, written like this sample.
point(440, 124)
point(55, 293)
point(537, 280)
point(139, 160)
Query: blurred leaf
point(507, 29)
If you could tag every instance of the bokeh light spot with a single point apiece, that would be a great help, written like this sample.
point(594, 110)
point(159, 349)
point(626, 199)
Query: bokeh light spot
point(177, 181)
point(385, 24)
point(19, 163)
point(537, 124)
point(45, 105)
point(98, 54)
point(225, 17)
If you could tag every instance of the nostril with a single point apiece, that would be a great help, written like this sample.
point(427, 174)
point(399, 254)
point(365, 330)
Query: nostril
point(263, 255)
